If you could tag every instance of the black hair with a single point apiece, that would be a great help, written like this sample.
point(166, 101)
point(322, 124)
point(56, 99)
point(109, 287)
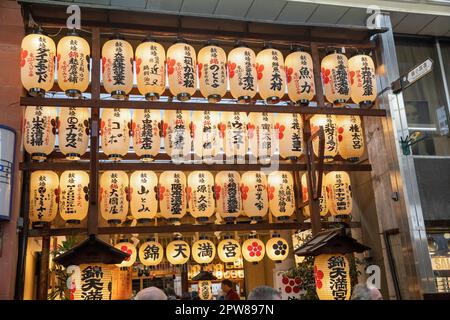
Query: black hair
point(227, 283)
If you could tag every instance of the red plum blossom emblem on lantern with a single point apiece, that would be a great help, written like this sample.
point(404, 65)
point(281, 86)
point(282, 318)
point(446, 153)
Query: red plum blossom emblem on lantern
point(352, 76)
point(170, 65)
point(251, 130)
point(161, 192)
point(340, 132)
point(138, 65)
point(222, 127)
point(271, 191)
point(326, 75)
point(217, 190)
point(259, 70)
point(318, 276)
point(23, 56)
point(231, 67)
point(244, 191)
point(289, 72)
point(254, 249)
point(280, 128)
point(200, 68)
point(291, 285)
point(126, 250)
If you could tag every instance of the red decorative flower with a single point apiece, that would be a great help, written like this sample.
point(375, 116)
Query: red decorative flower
point(340, 132)
point(271, 191)
point(326, 75)
point(217, 190)
point(289, 72)
point(291, 285)
point(255, 249)
point(318, 276)
point(352, 75)
point(281, 129)
point(250, 130)
point(126, 250)
point(161, 192)
point(138, 65)
point(259, 70)
point(244, 191)
point(231, 66)
point(23, 55)
point(200, 67)
point(170, 65)
point(222, 127)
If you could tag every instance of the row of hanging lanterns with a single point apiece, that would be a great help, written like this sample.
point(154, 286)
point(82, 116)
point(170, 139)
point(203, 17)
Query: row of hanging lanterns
point(267, 71)
point(203, 134)
point(204, 251)
point(218, 270)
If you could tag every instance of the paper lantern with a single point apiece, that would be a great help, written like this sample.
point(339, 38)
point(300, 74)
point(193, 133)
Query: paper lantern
point(350, 137)
point(177, 136)
point(212, 75)
point(203, 251)
point(205, 135)
point(39, 129)
point(37, 63)
point(73, 57)
point(290, 135)
point(228, 195)
point(233, 131)
point(254, 194)
point(335, 78)
point(73, 132)
point(240, 274)
point(229, 250)
point(113, 196)
point(127, 247)
point(151, 69)
point(178, 252)
point(181, 70)
point(44, 196)
point(117, 67)
point(363, 85)
point(74, 202)
point(172, 195)
point(242, 73)
point(261, 136)
point(323, 202)
point(115, 131)
point(271, 75)
point(332, 277)
point(329, 124)
point(227, 274)
point(300, 77)
point(143, 195)
point(91, 282)
point(200, 195)
point(204, 290)
point(339, 193)
point(253, 250)
point(277, 249)
point(146, 132)
point(218, 271)
point(121, 284)
point(281, 194)
point(151, 253)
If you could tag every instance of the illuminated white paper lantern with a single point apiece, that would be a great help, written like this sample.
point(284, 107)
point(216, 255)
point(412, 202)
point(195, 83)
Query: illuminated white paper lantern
point(178, 252)
point(242, 73)
point(151, 253)
point(229, 250)
point(115, 128)
point(290, 135)
point(74, 200)
point(181, 70)
point(254, 194)
point(172, 195)
point(177, 135)
point(200, 195)
point(228, 195)
point(143, 195)
point(261, 136)
point(44, 196)
point(350, 138)
point(271, 75)
point(329, 124)
point(146, 132)
point(203, 251)
point(339, 193)
point(323, 202)
point(233, 131)
point(281, 194)
point(363, 84)
point(113, 196)
point(73, 132)
point(277, 248)
point(335, 78)
point(129, 248)
point(253, 250)
point(212, 74)
point(332, 277)
point(300, 77)
point(151, 69)
point(205, 135)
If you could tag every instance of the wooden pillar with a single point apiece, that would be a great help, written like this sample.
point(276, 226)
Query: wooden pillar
point(44, 268)
point(184, 278)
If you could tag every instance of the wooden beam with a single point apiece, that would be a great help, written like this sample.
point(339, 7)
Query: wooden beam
point(44, 268)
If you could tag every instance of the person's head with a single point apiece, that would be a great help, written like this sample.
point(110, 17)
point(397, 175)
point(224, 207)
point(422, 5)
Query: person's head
point(364, 292)
point(186, 296)
point(264, 293)
point(227, 285)
point(151, 293)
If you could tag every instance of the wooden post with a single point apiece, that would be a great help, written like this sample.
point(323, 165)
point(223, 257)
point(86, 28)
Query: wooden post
point(44, 268)
point(317, 75)
point(184, 279)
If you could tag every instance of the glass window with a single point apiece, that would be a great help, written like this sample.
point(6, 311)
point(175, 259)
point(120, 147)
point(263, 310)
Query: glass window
point(425, 102)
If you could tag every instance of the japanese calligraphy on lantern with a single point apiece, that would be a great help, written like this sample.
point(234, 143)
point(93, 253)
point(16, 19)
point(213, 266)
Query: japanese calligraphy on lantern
point(115, 131)
point(335, 78)
point(181, 70)
point(113, 196)
point(242, 74)
point(203, 251)
point(39, 129)
point(254, 194)
point(151, 253)
point(290, 134)
point(339, 193)
point(150, 69)
point(200, 194)
point(232, 131)
point(117, 67)
point(44, 196)
point(178, 252)
point(146, 128)
point(229, 250)
point(271, 75)
point(329, 124)
point(204, 290)
point(323, 202)
point(177, 137)
point(74, 199)
point(228, 194)
point(363, 86)
point(37, 63)
point(143, 195)
point(281, 194)
point(212, 75)
point(205, 135)
point(95, 282)
point(73, 64)
point(260, 133)
point(332, 277)
point(73, 132)
point(300, 77)
point(172, 195)
point(350, 137)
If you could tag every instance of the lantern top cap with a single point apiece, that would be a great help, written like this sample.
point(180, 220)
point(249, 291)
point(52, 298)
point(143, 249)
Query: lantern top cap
point(148, 38)
point(228, 236)
point(150, 239)
point(240, 44)
point(203, 237)
point(91, 250)
point(180, 40)
point(123, 240)
point(204, 275)
point(211, 42)
point(252, 236)
point(275, 235)
point(334, 50)
point(296, 48)
point(330, 242)
point(117, 36)
point(72, 32)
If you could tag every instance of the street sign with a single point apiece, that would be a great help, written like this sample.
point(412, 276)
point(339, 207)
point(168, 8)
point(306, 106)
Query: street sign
point(412, 76)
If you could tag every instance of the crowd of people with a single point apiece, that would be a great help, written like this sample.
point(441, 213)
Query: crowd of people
point(360, 292)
